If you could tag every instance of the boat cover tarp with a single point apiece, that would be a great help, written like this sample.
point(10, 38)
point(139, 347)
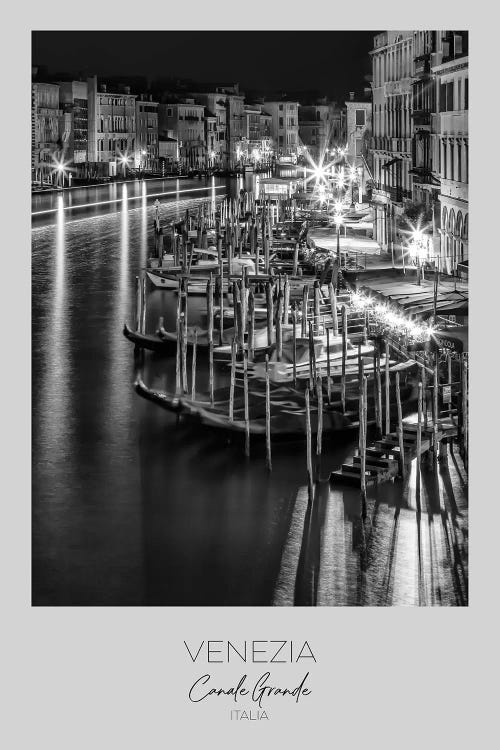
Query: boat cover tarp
point(456, 339)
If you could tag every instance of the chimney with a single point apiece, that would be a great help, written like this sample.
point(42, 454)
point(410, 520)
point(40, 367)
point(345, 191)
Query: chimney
point(103, 88)
point(351, 96)
point(126, 89)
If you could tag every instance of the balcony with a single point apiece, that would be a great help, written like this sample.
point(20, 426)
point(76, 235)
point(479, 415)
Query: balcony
point(421, 116)
point(422, 65)
point(397, 194)
point(422, 175)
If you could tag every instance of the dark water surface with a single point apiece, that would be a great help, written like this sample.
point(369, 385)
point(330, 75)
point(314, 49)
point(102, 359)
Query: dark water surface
point(131, 509)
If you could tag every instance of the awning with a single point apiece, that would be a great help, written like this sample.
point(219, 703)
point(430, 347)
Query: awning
point(391, 162)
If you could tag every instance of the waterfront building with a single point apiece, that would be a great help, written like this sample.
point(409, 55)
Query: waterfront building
point(73, 101)
point(358, 137)
point(227, 103)
point(284, 127)
point(111, 129)
point(46, 148)
point(391, 144)
point(186, 120)
point(168, 153)
point(321, 129)
point(146, 142)
point(257, 135)
point(216, 106)
point(210, 138)
point(450, 66)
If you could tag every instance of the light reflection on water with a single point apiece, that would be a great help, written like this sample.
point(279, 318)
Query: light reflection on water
point(129, 508)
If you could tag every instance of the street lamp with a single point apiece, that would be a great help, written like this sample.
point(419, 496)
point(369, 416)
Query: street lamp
point(418, 248)
point(360, 184)
point(352, 177)
point(124, 160)
point(60, 170)
point(339, 220)
point(143, 161)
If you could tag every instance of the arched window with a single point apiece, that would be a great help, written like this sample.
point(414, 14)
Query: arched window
point(444, 219)
point(451, 222)
point(465, 230)
point(452, 249)
point(459, 242)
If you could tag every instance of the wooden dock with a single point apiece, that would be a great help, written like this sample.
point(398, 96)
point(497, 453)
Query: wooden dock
point(383, 457)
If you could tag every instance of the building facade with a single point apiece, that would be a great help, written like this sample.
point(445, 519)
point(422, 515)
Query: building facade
point(391, 144)
point(321, 129)
point(257, 140)
point(450, 66)
point(168, 153)
point(73, 99)
point(111, 129)
point(186, 120)
point(358, 137)
point(227, 103)
point(284, 127)
point(46, 146)
point(146, 142)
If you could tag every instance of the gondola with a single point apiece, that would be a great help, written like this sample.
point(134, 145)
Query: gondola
point(287, 412)
point(151, 341)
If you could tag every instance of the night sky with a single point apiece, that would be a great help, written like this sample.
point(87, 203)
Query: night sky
point(331, 62)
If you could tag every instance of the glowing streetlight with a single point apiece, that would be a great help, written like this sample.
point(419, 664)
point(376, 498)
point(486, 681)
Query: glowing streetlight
point(339, 220)
point(360, 184)
point(124, 160)
point(60, 170)
point(418, 247)
point(352, 177)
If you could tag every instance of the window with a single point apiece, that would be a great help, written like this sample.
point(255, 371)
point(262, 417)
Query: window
point(452, 161)
point(444, 159)
point(360, 117)
point(466, 93)
point(359, 146)
point(459, 94)
point(169, 112)
point(446, 97)
point(459, 162)
point(281, 122)
point(449, 97)
point(281, 108)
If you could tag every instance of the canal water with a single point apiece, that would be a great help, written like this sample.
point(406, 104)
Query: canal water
point(131, 508)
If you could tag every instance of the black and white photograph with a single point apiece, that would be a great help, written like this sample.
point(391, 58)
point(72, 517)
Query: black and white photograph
point(249, 281)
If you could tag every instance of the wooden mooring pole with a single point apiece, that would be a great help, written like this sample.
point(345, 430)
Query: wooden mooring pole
point(402, 466)
point(270, 313)
point(193, 366)
point(309, 446)
point(251, 329)
point(305, 298)
point(233, 379)
point(245, 399)
point(138, 305)
point(344, 356)
point(328, 368)
point(210, 316)
point(333, 307)
point(184, 336)
point(294, 344)
point(419, 440)
point(269, 463)
point(178, 334)
point(387, 384)
point(319, 434)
